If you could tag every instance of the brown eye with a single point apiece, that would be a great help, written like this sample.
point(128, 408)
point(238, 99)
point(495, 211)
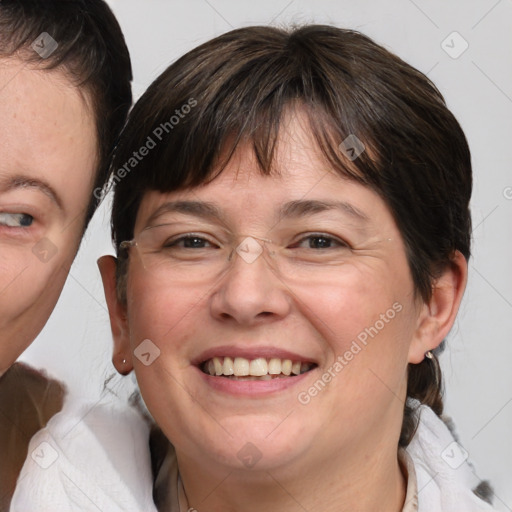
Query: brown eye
point(190, 242)
point(320, 241)
point(194, 242)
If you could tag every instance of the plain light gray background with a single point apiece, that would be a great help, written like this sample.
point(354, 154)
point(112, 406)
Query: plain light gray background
point(75, 345)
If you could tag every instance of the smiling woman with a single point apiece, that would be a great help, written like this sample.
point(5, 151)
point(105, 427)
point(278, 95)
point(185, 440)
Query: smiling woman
point(319, 184)
point(303, 231)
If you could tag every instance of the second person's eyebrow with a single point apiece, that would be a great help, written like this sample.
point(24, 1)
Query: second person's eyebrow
point(22, 181)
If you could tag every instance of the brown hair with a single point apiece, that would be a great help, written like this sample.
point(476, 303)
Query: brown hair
point(91, 50)
point(240, 84)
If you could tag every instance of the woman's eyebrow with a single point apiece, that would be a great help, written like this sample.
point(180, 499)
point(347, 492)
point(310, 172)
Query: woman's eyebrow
point(296, 208)
point(201, 209)
point(301, 208)
point(21, 181)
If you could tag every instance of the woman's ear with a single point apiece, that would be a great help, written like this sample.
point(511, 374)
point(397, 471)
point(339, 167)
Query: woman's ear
point(436, 317)
point(122, 356)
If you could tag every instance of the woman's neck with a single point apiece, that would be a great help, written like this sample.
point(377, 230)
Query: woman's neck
point(371, 482)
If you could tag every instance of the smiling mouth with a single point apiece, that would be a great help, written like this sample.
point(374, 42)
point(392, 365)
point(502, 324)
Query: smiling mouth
point(240, 368)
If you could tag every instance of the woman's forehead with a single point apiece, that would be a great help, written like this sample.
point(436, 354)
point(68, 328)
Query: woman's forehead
point(233, 199)
point(297, 160)
point(301, 179)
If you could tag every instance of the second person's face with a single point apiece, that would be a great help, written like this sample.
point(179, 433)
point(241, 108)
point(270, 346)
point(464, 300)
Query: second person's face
point(49, 158)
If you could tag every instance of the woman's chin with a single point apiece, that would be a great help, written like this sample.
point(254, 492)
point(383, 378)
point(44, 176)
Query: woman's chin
point(257, 443)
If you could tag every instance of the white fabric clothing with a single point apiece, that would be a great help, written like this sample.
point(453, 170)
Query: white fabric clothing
point(445, 479)
point(439, 477)
point(104, 463)
point(89, 457)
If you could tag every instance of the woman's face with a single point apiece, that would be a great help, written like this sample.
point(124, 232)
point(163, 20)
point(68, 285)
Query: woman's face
point(338, 298)
point(49, 153)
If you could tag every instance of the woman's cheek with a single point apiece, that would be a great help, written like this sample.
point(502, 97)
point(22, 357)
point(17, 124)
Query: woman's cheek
point(161, 314)
point(343, 310)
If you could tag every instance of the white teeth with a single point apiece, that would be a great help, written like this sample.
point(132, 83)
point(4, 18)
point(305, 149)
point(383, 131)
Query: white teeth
point(274, 366)
point(217, 365)
point(258, 367)
point(228, 368)
point(255, 369)
point(286, 367)
point(241, 366)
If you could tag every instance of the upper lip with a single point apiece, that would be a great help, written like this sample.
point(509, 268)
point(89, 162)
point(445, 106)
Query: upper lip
point(266, 352)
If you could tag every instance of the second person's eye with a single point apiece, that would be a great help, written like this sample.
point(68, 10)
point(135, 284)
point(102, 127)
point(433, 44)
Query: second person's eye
point(16, 220)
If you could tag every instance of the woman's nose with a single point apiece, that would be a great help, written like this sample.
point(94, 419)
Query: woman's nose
point(251, 291)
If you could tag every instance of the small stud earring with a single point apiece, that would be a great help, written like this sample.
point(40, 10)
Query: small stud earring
point(429, 354)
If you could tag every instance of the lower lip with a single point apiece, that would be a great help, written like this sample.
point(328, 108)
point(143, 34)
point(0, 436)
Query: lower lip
point(252, 387)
